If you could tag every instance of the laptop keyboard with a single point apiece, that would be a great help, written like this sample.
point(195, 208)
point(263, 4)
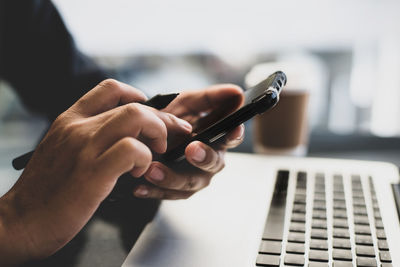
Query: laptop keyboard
point(332, 222)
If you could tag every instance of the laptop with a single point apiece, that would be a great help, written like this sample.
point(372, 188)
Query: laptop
point(277, 211)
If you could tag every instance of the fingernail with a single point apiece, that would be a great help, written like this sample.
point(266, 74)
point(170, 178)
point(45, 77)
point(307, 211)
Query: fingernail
point(185, 124)
point(241, 133)
point(199, 154)
point(156, 174)
point(142, 191)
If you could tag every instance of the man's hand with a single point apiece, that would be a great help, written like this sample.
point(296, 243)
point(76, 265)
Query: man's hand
point(102, 136)
point(200, 108)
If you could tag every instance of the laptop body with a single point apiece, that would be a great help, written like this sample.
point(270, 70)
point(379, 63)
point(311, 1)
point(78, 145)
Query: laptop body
point(225, 224)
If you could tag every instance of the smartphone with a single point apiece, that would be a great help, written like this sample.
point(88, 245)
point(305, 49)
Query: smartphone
point(258, 99)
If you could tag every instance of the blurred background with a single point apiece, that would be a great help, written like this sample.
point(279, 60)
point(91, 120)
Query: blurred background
point(349, 50)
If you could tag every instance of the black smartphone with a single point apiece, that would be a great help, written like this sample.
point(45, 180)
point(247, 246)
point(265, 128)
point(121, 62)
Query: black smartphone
point(258, 99)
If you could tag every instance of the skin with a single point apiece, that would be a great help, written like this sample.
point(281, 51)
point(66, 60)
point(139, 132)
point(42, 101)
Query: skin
point(103, 135)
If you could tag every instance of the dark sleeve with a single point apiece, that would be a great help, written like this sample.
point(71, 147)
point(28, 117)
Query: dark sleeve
point(40, 60)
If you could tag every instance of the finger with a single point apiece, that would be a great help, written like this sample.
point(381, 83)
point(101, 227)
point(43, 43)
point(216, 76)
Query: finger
point(204, 157)
point(132, 120)
point(148, 191)
point(128, 154)
point(173, 123)
point(233, 138)
point(137, 120)
point(224, 97)
point(164, 177)
point(105, 96)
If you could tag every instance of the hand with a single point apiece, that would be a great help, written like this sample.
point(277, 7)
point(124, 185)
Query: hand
point(76, 166)
point(216, 102)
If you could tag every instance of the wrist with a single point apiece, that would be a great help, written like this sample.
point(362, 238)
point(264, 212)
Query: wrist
point(14, 243)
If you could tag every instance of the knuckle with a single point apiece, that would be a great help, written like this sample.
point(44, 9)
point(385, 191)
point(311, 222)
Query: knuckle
point(110, 83)
point(161, 126)
point(190, 183)
point(128, 144)
point(163, 130)
point(171, 118)
point(133, 110)
point(60, 121)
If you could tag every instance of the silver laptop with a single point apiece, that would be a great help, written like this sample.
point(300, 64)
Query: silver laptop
point(274, 211)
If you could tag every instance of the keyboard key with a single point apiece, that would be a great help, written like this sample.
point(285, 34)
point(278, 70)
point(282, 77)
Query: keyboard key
point(379, 224)
point(296, 237)
point(357, 193)
point(377, 215)
point(341, 243)
point(300, 199)
point(320, 177)
point(361, 220)
point(338, 195)
point(276, 216)
point(318, 202)
point(367, 251)
point(380, 234)
point(294, 259)
point(297, 227)
point(301, 180)
point(301, 191)
point(319, 224)
point(270, 247)
point(361, 205)
point(322, 208)
point(339, 205)
point(298, 217)
point(300, 208)
point(386, 265)
point(358, 202)
point(342, 214)
point(320, 215)
point(319, 196)
point(319, 205)
point(338, 188)
point(337, 178)
point(366, 262)
point(319, 188)
point(319, 234)
point(342, 264)
point(362, 229)
point(342, 254)
point(295, 248)
point(356, 187)
point(318, 244)
point(318, 264)
point(318, 255)
point(383, 245)
point(384, 256)
point(360, 211)
point(268, 260)
point(364, 240)
point(340, 223)
point(341, 233)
